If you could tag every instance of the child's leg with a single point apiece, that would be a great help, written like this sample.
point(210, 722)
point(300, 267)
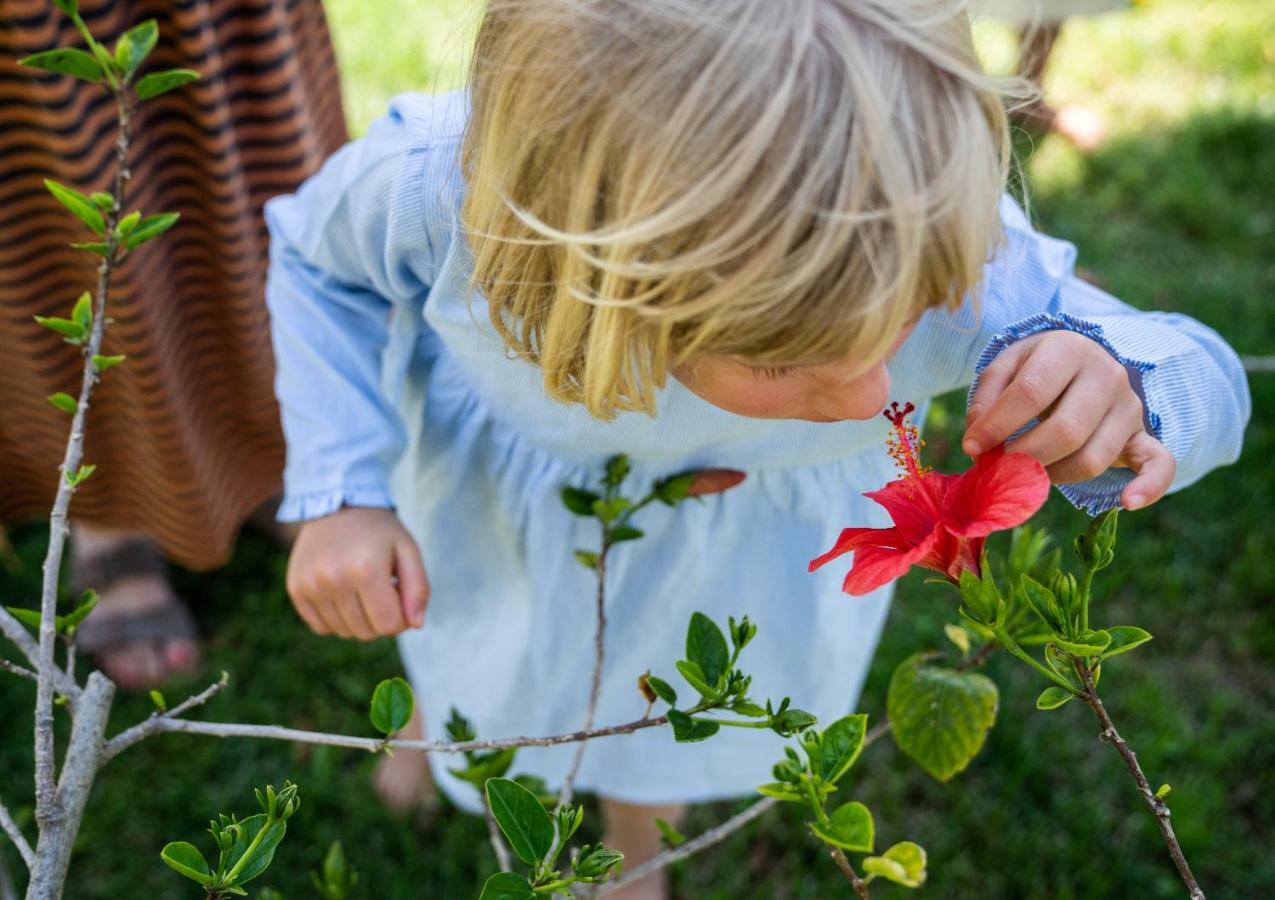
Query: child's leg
point(631, 829)
point(403, 781)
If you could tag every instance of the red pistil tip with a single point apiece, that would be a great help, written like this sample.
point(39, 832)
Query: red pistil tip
point(905, 440)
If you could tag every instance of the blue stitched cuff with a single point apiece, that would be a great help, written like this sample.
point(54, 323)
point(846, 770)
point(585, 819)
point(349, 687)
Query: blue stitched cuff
point(1102, 493)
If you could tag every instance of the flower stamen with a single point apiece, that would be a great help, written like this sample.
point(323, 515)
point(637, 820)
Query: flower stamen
point(905, 445)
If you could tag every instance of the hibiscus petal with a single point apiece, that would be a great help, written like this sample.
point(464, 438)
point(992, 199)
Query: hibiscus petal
point(914, 513)
point(845, 543)
point(879, 563)
point(1000, 491)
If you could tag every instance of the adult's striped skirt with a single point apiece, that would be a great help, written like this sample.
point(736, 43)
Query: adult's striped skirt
point(185, 435)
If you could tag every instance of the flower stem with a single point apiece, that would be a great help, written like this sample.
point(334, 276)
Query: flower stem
point(860, 886)
point(1157, 806)
point(1012, 646)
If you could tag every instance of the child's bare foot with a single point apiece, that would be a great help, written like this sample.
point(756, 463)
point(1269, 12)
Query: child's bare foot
point(141, 634)
point(403, 781)
point(631, 829)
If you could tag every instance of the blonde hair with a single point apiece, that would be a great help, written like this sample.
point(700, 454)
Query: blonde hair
point(778, 181)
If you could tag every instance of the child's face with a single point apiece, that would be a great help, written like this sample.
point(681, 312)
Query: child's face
point(829, 392)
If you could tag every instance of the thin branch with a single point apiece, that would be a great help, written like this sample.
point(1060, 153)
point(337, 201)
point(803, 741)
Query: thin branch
point(15, 834)
point(714, 835)
point(161, 724)
point(860, 886)
point(47, 811)
point(17, 633)
point(1157, 806)
point(497, 841)
point(14, 669)
point(153, 724)
point(599, 655)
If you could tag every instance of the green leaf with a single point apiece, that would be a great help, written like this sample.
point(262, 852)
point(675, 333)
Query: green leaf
point(158, 83)
point(959, 637)
point(70, 7)
point(29, 617)
point(82, 313)
point(80, 475)
point(662, 689)
point(840, 745)
point(135, 45)
point(790, 721)
point(669, 835)
point(1163, 791)
point(625, 533)
point(72, 620)
point(338, 879)
point(687, 730)
point(781, 791)
point(129, 223)
point(67, 61)
point(107, 362)
point(587, 558)
point(103, 200)
point(617, 470)
point(74, 332)
point(1053, 697)
point(940, 717)
point(706, 647)
point(391, 705)
point(64, 402)
point(694, 676)
point(482, 766)
point(83, 208)
point(579, 501)
point(1123, 639)
point(1043, 602)
point(595, 862)
point(506, 886)
point(610, 510)
point(1089, 643)
point(849, 827)
point(94, 247)
point(250, 861)
point(904, 864)
point(157, 697)
point(151, 226)
point(186, 859)
point(522, 819)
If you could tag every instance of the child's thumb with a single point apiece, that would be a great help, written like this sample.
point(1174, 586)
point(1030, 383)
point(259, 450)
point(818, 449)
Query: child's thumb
point(413, 585)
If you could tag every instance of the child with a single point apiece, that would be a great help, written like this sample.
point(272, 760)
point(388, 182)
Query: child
point(795, 211)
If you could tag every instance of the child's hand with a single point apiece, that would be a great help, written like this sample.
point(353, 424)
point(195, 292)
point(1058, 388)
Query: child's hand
point(357, 573)
point(1091, 417)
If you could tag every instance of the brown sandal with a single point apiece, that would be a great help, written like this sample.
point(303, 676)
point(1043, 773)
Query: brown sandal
point(104, 631)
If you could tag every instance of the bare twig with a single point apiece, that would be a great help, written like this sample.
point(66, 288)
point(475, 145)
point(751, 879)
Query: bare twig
point(599, 655)
point(17, 633)
point(860, 886)
point(153, 725)
point(714, 835)
point(14, 669)
point(46, 795)
point(1157, 806)
point(15, 834)
point(497, 841)
point(159, 724)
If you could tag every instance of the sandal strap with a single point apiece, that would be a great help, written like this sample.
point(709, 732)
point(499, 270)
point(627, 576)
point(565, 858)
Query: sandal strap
point(102, 632)
point(132, 558)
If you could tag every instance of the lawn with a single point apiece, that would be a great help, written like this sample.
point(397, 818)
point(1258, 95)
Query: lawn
point(1177, 211)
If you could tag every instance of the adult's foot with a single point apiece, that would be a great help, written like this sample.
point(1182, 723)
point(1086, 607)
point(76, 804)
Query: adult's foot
point(141, 634)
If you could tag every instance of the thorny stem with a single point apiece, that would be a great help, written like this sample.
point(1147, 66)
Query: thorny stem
point(599, 655)
point(48, 810)
point(1158, 807)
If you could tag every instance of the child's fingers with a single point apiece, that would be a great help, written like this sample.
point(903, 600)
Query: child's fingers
point(1100, 452)
point(995, 379)
point(1080, 415)
point(1155, 466)
point(350, 609)
point(381, 607)
point(1038, 382)
point(311, 618)
point(413, 584)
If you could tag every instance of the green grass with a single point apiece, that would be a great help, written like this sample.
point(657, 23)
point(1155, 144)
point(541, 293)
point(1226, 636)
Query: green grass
point(1177, 212)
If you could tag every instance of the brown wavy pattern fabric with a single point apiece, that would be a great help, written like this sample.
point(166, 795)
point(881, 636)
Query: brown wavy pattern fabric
point(185, 434)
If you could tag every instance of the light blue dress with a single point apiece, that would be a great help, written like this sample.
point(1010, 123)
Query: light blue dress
point(396, 391)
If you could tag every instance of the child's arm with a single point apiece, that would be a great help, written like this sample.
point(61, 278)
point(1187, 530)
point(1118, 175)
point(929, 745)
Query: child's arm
point(347, 250)
point(1134, 403)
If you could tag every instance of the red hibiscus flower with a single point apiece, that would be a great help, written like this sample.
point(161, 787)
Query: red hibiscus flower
point(940, 521)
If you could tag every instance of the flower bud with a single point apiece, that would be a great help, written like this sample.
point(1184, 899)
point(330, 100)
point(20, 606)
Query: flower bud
point(1096, 547)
